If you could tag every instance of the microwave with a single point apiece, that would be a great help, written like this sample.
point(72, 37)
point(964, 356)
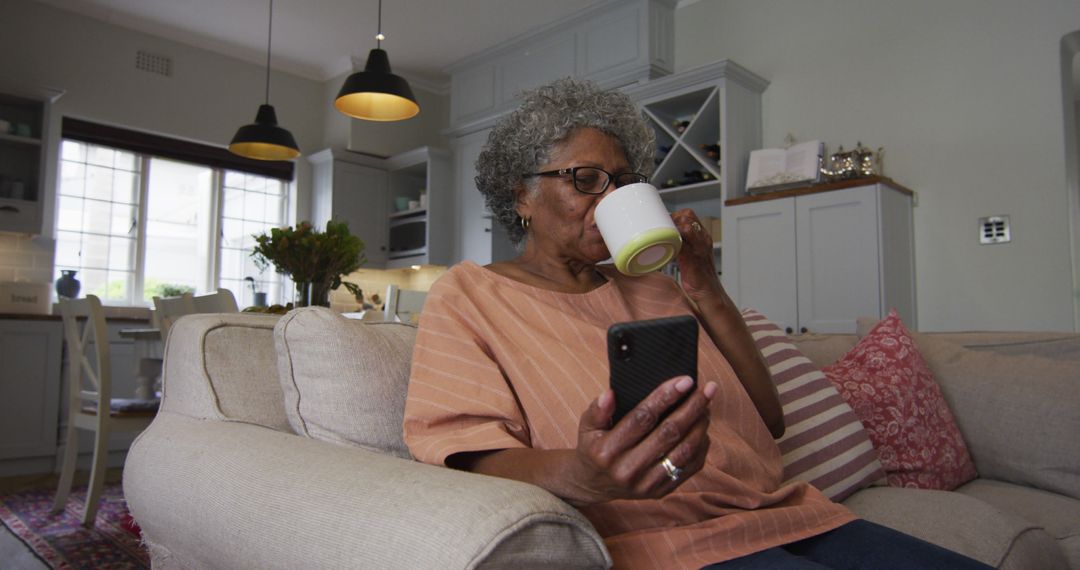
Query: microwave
point(408, 236)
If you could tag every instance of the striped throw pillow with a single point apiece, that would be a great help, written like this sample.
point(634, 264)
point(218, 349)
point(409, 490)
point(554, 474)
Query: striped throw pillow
point(825, 443)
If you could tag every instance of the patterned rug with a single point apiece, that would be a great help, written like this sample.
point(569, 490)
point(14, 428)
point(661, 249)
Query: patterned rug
point(62, 542)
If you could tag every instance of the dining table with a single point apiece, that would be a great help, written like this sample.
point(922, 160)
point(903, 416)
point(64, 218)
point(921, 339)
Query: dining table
point(148, 357)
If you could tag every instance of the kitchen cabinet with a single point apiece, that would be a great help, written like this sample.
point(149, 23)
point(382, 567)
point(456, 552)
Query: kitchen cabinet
point(706, 120)
point(480, 238)
point(375, 195)
point(34, 393)
point(351, 187)
point(420, 235)
point(721, 104)
point(30, 356)
point(27, 159)
point(613, 43)
point(816, 259)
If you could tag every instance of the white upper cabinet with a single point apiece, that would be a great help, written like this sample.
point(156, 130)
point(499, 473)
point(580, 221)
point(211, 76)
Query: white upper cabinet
point(612, 43)
point(27, 158)
point(350, 187)
point(401, 206)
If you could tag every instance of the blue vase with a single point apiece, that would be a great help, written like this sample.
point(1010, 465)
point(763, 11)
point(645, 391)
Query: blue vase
point(67, 285)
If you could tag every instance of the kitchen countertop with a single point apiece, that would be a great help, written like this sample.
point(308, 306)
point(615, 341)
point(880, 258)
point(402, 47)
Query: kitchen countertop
point(132, 314)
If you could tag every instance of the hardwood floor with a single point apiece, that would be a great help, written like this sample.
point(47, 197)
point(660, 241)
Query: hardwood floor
point(20, 483)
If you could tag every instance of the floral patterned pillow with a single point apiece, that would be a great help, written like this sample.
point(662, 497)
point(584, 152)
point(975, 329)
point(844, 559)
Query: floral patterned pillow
point(893, 393)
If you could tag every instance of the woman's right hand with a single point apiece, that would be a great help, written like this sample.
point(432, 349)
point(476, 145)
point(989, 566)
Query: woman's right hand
point(625, 461)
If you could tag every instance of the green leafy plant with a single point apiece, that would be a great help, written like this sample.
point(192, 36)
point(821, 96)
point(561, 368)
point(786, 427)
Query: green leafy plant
point(308, 255)
point(171, 290)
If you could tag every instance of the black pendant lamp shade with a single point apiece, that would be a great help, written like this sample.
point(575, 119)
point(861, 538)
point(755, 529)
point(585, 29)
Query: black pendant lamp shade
point(376, 94)
point(264, 139)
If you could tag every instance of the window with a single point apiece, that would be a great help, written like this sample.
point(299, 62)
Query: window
point(136, 225)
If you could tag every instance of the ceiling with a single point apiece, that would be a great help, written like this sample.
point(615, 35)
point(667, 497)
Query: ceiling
point(317, 39)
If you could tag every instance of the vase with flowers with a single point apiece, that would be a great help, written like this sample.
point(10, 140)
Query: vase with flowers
point(314, 260)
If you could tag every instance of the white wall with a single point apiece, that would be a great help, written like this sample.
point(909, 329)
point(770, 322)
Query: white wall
point(965, 97)
point(206, 99)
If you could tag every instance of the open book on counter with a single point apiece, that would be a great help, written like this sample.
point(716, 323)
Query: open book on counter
point(773, 169)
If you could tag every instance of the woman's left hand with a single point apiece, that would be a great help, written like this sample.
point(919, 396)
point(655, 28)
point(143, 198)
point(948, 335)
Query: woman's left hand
point(697, 266)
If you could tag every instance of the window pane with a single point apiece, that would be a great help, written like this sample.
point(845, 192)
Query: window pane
point(96, 234)
point(67, 250)
point(234, 179)
point(73, 150)
point(95, 251)
point(126, 160)
point(232, 263)
point(121, 253)
point(71, 214)
point(232, 203)
point(100, 155)
point(177, 225)
point(123, 220)
point(94, 282)
point(119, 285)
point(250, 205)
point(72, 178)
point(125, 187)
point(98, 229)
point(99, 182)
point(255, 206)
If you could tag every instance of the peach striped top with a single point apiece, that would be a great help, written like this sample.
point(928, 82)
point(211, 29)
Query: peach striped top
point(500, 364)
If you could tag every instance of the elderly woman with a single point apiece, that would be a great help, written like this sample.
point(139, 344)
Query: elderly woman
point(510, 375)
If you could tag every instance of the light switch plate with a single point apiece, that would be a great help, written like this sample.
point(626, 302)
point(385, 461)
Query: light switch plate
point(994, 229)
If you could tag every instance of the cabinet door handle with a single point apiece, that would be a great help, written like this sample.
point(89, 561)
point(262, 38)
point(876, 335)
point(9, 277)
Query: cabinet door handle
point(487, 230)
point(804, 330)
point(6, 208)
point(789, 330)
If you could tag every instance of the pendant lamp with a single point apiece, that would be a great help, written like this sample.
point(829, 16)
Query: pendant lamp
point(264, 139)
point(376, 94)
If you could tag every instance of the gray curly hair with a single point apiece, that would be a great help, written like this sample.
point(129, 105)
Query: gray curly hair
point(523, 140)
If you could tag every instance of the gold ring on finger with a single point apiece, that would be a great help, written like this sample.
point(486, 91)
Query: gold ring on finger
point(695, 226)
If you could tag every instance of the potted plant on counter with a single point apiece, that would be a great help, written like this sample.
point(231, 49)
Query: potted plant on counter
point(314, 260)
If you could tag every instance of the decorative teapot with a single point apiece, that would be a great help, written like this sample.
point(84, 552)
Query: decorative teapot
point(856, 163)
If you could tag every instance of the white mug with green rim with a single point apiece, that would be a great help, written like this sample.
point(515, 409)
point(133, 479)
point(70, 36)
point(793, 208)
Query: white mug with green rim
point(637, 229)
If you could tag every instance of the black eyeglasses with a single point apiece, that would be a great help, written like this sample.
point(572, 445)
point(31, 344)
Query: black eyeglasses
point(592, 180)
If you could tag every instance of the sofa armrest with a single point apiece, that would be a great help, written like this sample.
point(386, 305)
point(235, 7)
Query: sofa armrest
point(212, 494)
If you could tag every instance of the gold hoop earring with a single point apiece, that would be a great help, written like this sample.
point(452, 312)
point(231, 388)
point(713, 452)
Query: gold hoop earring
point(525, 224)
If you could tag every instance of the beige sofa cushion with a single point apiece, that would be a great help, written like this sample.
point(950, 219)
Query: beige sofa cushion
point(1058, 515)
point(962, 524)
point(823, 349)
point(345, 380)
point(1020, 415)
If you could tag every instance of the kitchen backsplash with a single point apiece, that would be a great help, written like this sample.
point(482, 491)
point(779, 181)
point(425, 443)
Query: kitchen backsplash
point(374, 281)
point(25, 258)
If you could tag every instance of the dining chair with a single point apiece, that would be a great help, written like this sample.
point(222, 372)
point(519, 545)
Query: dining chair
point(91, 406)
point(168, 309)
point(403, 305)
point(220, 301)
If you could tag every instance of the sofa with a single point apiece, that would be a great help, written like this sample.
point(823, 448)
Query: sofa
point(227, 476)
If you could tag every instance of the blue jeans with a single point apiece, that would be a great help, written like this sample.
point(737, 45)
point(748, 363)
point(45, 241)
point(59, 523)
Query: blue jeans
point(856, 545)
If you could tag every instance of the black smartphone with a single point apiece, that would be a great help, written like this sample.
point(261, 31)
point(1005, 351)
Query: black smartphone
point(644, 354)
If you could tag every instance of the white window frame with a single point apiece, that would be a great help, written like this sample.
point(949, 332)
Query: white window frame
point(215, 227)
